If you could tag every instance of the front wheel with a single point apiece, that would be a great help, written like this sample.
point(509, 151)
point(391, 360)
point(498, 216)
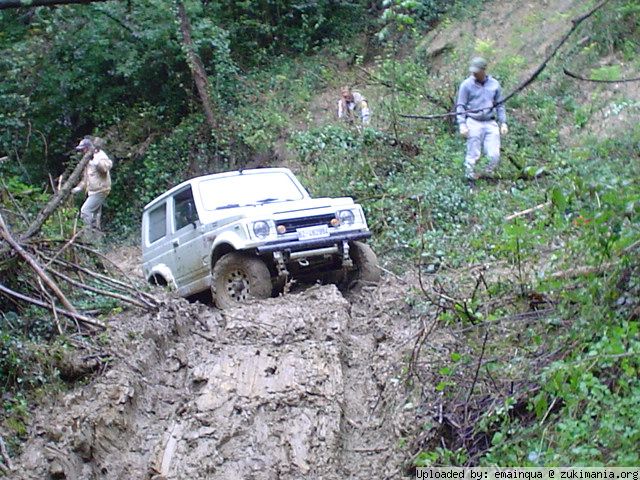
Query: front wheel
point(237, 278)
point(365, 264)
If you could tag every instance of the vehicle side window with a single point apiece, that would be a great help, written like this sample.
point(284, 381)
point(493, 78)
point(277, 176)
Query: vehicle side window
point(157, 223)
point(184, 209)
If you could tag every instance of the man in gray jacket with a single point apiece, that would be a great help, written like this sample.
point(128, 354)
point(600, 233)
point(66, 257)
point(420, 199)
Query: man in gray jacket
point(479, 111)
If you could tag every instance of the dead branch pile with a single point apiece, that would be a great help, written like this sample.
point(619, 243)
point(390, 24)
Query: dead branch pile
point(60, 274)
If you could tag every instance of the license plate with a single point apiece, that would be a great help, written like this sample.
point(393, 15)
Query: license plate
point(319, 231)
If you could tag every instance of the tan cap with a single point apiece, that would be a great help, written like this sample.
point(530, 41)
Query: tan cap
point(84, 143)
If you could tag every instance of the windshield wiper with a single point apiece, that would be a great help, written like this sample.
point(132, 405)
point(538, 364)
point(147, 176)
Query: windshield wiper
point(231, 205)
point(270, 200)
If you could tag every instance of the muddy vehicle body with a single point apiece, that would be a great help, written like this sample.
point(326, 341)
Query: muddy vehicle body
point(244, 234)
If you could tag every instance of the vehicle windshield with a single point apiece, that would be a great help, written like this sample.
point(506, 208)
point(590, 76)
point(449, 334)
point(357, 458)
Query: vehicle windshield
point(248, 189)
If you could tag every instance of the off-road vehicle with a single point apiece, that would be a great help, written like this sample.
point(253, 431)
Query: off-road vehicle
point(244, 234)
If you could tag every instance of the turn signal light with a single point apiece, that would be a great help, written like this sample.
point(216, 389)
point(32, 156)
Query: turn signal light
point(281, 229)
point(334, 222)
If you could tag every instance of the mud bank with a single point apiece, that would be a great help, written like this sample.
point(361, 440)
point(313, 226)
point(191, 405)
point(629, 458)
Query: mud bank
point(303, 386)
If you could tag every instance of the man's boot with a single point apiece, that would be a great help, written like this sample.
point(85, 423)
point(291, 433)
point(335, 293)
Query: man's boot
point(471, 182)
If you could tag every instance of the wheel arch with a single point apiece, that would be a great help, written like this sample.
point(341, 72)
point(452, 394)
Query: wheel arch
point(161, 275)
point(219, 251)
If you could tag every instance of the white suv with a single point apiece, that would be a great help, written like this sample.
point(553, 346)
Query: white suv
point(243, 234)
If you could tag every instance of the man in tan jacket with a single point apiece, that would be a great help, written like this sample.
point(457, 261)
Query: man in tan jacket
point(96, 181)
point(352, 104)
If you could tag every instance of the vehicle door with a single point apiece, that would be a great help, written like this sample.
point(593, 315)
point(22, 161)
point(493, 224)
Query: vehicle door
point(157, 248)
point(192, 264)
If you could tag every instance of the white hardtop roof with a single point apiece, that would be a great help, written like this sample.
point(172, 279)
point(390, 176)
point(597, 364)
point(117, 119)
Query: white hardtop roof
point(233, 173)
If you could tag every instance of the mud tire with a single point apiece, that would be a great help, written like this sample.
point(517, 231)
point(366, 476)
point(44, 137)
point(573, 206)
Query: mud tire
point(365, 265)
point(238, 278)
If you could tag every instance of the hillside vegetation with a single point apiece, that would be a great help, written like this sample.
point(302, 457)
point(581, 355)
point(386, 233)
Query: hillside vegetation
point(544, 305)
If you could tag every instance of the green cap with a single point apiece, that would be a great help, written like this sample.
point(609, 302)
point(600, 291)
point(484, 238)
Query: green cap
point(477, 64)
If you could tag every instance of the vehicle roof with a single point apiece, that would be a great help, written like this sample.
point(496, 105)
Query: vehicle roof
point(193, 180)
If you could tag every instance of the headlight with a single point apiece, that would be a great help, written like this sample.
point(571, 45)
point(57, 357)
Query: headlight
point(346, 217)
point(261, 229)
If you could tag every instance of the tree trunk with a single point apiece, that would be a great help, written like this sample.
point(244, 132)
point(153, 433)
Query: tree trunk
point(196, 66)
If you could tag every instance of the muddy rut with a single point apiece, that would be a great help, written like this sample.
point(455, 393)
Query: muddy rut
point(308, 385)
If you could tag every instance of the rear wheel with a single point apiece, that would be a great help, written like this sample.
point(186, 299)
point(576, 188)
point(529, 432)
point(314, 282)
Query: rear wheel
point(365, 265)
point(238, 278)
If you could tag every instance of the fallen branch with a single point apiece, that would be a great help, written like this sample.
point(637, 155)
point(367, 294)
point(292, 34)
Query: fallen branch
point(384, 83)
point(631, 247)
point(527, 211)
point(53, 305)
point(99, 291)
point(581, 271)
point(525, 316)
point(475, 376)
point(58, 198)
point(140, 293)
point(525, 83)
point(389, 272)
point(75, 316)
point(144, 297)
point(6, 234)
point(64, 247)
point(584, 79)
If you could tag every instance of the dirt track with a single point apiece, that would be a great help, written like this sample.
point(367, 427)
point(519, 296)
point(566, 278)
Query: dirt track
point(308, 385)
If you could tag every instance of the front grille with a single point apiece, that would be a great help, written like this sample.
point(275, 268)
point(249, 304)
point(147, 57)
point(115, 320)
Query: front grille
point(293, 224)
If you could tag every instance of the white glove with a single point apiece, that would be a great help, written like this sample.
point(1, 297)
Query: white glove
point(366, 116)
point(504, 129)
point(464, 130)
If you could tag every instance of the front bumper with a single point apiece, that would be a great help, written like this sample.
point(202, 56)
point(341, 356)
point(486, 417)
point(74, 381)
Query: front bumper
point(302, 245)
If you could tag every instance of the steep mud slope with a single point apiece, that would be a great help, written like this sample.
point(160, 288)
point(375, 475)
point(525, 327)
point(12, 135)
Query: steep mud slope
point(303, 386)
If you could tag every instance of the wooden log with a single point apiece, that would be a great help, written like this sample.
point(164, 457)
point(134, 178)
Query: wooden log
point(58, 198)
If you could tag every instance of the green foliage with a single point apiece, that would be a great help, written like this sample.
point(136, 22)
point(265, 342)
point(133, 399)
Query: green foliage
point(16, 410)
point(259, 30)
point(583, 413)
point(596, 383)
point(121, 69)
point(402, 17)
point(24, 363)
